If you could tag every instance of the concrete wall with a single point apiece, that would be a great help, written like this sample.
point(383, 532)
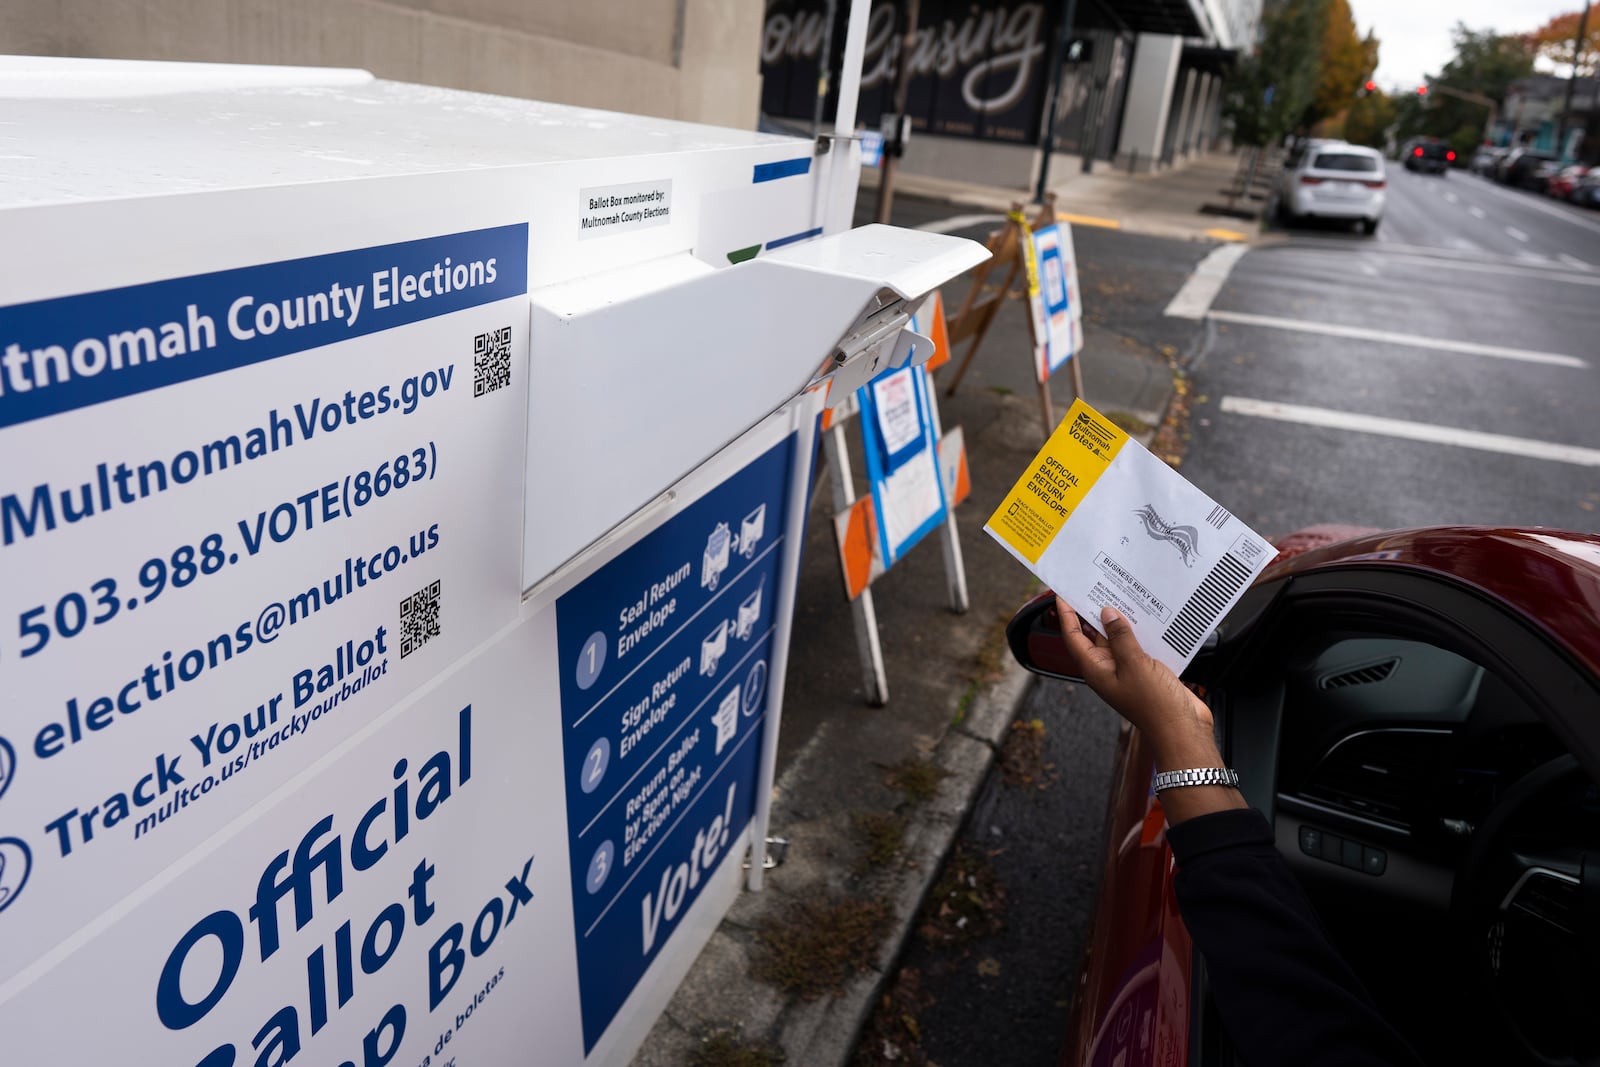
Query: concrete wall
point(697, 60)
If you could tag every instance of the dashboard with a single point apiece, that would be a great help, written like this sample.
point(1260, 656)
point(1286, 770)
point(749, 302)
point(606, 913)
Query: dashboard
point(1404, 741)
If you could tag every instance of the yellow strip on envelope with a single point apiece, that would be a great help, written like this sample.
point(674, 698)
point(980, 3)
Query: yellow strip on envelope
point(1078, 453)
point(1102, 521)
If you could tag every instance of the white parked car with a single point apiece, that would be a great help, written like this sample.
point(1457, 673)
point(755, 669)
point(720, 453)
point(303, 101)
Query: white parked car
point(1334, 181)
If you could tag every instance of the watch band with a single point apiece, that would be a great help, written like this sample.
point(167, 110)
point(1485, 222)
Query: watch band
point(1196, 776)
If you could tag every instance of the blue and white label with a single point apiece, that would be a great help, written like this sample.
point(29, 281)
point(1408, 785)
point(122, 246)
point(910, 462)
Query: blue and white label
point(678, 708)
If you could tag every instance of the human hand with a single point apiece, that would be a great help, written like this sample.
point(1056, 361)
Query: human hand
point(1141, 689)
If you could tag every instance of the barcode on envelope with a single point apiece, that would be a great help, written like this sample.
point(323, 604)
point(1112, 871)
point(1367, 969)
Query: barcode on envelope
point(1200, 612)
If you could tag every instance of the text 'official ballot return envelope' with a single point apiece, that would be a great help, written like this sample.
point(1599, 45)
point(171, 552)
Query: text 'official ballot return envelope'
point(1102, 521)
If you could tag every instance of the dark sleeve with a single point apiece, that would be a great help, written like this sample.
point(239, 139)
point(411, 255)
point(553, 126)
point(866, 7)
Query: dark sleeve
point(1284, 993)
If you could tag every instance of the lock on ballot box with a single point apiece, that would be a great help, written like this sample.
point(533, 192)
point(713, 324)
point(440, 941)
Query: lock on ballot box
point(398, 534)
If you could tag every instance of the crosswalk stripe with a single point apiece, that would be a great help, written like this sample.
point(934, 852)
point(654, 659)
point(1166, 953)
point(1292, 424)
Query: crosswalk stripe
point(1388, 337)
point(1411, 431)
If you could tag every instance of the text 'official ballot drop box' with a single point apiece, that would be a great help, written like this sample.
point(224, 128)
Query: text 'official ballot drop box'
point(400, 507)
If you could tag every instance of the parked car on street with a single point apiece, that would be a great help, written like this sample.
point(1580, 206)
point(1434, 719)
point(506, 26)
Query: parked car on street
point(1417, 713)
point(1427, 155)
point(1562, 184)
point(1520, 165)
point(1334, 181)
point(1485, 158)
point(1586, 193)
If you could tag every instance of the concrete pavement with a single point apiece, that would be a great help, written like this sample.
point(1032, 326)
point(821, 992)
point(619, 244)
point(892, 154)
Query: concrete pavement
point(872, 798)
point(1166, 204)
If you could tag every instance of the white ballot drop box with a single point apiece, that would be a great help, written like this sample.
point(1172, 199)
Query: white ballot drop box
point(399, 521)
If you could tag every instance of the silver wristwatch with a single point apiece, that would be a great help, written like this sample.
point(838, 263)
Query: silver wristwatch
point(1197, 776)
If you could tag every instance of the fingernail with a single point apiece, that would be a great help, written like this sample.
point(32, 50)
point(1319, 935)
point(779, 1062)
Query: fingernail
point(1110, 614)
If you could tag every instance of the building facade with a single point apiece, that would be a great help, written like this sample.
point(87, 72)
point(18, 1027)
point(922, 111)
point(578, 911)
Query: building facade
point(695, 60)
point(1137, 82)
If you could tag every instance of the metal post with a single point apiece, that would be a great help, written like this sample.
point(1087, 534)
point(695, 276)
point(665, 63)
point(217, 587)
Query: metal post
point(803, 419)
point(839, 172)
point(955, 565)
point(1049, 146)
point(863, 615)
point(1572, 77)
point(902, 85)
point(824, 69)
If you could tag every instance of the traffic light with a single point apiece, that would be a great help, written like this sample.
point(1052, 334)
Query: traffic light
point(1422, 90)
point(1371, 87)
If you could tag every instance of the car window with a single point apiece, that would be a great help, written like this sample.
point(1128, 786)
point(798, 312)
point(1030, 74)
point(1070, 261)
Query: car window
point(1344, 161)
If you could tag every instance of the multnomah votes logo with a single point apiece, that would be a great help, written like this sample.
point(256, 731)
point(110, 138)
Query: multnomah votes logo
point(1184, 538)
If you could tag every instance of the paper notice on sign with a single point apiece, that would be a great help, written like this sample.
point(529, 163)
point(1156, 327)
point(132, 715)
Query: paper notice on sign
point(896, 400)
point(1102, 521)
point(909, 498)
point(611, 209)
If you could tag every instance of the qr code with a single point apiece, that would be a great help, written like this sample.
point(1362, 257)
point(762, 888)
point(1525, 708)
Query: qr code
point(491, 361)
point(419, 619)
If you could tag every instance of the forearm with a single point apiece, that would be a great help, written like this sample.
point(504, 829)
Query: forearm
point(1282, 989)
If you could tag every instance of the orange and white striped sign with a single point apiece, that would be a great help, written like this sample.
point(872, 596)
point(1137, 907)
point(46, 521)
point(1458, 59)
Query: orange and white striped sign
point(953, 467)
point(856, 529)
point(936, 329)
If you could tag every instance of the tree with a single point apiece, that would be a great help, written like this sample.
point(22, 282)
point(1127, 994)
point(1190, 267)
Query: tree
point(1270, 91)
point(1345, 62)
point(1369, 119)
point(1553, 41)
point(1485, 62)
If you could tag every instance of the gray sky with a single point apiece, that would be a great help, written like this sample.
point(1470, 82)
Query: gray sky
point(1414, 35)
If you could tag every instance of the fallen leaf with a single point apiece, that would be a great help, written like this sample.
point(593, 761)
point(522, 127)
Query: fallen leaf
point(989, 968)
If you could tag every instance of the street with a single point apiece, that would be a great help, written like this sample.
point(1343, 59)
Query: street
point(1439, 372)
point(1470, 398)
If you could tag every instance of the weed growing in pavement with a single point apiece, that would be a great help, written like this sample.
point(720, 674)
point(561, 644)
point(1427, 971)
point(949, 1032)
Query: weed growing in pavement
point(893, 1033)
point(723, 1048)
point(967, 902)
point(964, 705)
point(1001, 390)
point(820, 944)
point(881, 835)
point(915, 779)
point(1022, 761)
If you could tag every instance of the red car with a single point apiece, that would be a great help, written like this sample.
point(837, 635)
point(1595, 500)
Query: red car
point(1565, 180)
point(1418, 715)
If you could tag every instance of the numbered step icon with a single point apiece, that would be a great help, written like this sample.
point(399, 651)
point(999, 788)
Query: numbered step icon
point(8, 765)
point(591, 660)
point(754, 688)
point(600, 867)
point(16, 861)
point(595, 764)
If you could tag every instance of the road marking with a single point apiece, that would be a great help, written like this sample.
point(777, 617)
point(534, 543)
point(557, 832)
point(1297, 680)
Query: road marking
point(1412, 431)
point(1369, 270)
point(1569, 215)
point(1411, 340)
point(960, 222)
point(1194, 299)
point(1451, 198)
point(1476, 212)
point(1574, 261)
point(1515, 234)
point(1524, 265)
point(1227, 235)
point(1093, 220)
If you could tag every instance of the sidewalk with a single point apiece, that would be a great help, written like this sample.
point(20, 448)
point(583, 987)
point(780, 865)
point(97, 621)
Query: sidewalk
point(1163, 204)
point(871, 799)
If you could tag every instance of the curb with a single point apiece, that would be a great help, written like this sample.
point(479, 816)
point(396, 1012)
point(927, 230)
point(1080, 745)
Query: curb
point(966, 752)
point(721, 993)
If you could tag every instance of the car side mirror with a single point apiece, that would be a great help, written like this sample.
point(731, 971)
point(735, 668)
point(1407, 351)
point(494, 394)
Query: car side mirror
point(1034, 634)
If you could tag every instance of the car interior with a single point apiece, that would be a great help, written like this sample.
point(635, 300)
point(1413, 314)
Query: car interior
point(1418, 751)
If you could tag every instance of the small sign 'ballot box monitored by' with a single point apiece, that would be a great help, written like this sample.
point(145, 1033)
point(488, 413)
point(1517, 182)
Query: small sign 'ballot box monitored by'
point(398, 536)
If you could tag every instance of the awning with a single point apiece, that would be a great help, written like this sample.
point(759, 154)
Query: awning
point(1181, 18)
